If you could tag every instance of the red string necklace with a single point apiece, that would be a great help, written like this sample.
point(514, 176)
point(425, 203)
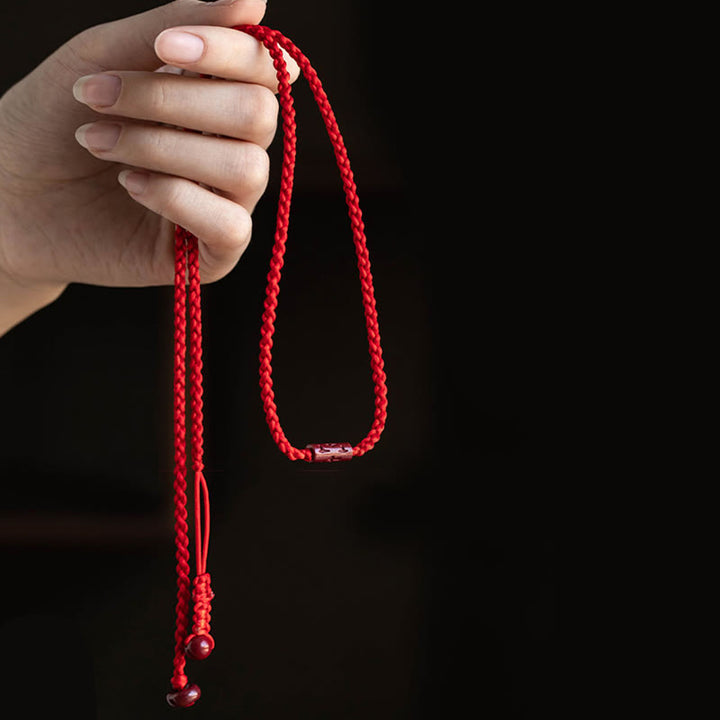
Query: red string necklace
point(194, 640)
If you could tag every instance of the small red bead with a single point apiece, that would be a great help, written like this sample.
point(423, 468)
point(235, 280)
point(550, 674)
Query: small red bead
point(199, 647)
point(184, 698)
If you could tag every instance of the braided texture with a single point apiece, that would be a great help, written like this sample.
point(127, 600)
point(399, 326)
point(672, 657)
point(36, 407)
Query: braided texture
point(182, 554)
point(202, 595)
point(195, 639)
point(275, 42)
point(187, 305)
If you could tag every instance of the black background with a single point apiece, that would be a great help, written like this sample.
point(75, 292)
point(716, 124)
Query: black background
point(416, 582)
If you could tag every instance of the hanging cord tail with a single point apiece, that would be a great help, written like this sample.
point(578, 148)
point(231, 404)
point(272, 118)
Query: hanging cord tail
point(179, 679)
point(195, 355)
point(202, 519)
point(275, 42)
point(200, 643)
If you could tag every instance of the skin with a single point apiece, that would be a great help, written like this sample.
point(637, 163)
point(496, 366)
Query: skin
point(71, 211)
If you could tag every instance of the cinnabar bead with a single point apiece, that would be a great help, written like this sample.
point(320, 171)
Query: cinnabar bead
point(184, 698)
point(199, 647)
point(330, 452)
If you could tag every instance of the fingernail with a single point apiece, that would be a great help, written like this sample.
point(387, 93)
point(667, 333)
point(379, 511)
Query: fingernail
point(176, 46)
point(133, 181)
point(100, 90)
point(100, 136)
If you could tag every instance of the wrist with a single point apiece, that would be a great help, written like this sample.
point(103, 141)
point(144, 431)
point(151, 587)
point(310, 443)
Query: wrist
point(19, 300)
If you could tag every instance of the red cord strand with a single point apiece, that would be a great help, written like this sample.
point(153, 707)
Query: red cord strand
point(202, 593)
point(202, 518)
point(275, 42)
point(179, 680)
point(202, 523)
point(187, 303)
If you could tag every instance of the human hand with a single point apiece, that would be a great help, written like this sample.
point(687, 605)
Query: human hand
point(65, 217)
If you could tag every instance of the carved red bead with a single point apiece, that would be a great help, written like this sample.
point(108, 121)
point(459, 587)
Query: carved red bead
point(330, 452)
point(199, 647)
point(184, 698)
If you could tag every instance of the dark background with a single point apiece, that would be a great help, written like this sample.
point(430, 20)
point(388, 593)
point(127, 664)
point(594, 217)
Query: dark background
point(414, 583)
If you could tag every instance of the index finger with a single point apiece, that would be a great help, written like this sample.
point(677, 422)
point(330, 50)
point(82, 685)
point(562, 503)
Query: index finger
point(222, 52)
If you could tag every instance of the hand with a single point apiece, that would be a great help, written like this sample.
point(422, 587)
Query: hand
point(103, 149)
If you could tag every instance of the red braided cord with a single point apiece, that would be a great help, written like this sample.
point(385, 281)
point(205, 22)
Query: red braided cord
point(179, 679)
point(187, 272)
point(202, 594)
point(196, 363)
point(274, 41)
point(196, 403)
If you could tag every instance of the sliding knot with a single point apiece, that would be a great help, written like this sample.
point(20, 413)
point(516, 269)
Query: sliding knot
point(200, 643)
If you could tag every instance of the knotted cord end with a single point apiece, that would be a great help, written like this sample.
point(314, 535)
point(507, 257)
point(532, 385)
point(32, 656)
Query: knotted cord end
point(200, 642)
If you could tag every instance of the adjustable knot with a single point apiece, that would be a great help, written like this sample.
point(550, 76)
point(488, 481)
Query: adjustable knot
point(200, 642)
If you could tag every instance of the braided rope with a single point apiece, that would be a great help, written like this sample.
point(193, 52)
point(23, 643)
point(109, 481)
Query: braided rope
point(275, 42)
point(196, 363)
point(187, 295)
point(179, 679)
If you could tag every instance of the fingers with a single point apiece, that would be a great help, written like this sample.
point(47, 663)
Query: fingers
point(238, 169)
point(239, 110)
point(206, 181)
point(222, 226)
point(129, 43)
point(241, 107)
point(222, 52)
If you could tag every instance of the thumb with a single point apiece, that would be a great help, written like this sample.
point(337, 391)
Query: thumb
point(128, 44)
